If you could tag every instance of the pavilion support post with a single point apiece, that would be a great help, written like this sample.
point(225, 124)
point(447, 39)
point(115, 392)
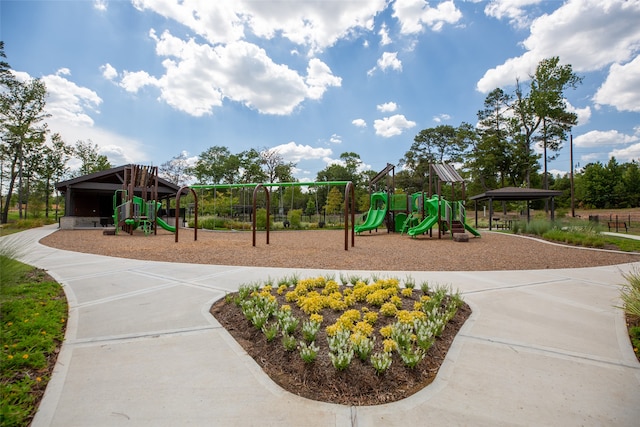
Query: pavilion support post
point(490, 213)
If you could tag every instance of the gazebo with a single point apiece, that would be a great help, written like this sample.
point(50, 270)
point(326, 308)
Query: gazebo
point(514, 194)
point(89, 199)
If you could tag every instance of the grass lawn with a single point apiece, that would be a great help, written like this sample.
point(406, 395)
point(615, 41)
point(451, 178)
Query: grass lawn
point(33, 315)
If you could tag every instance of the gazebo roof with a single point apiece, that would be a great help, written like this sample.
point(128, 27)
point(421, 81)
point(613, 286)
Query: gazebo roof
point(110, 180)
point(516, 193)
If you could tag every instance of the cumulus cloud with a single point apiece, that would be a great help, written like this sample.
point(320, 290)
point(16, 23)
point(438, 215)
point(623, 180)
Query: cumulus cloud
point(384, 35)
point(335, 139)
point(100, 5)
point(621, 89)
point(72, 108)
point(361, 123)
point(292, 152)
point(627, 154)
point(387, 107)
point(588, 34)
point(315, 25)
point(108, 71)
point(584, 114)
point(387, 60)
point(512, 10)
point(392, 126)
point(441, 118)
point(414, 15)
point(597, 138)
point(198, 77)
point(69, 102)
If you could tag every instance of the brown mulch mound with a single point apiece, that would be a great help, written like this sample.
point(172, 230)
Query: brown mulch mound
point(324, 249)
point(358, 385)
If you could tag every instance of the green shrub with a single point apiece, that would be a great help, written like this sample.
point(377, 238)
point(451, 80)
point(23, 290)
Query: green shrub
point(630, 293)
point(261, 219)
point(295, 216)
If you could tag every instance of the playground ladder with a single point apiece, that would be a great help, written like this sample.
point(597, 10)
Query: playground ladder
point(407, 223)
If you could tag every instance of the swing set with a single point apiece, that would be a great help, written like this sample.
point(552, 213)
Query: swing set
point(349, 203)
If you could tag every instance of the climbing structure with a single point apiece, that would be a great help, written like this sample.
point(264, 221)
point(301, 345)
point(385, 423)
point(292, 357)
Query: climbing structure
point(138, 200)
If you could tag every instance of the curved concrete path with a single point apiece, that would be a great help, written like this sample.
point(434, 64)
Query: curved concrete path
point(543, 347)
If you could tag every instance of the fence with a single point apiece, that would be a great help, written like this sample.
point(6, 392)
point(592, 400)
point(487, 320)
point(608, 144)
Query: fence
point(618, 221)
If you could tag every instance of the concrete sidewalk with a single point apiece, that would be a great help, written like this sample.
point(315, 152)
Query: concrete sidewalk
point(544, 347)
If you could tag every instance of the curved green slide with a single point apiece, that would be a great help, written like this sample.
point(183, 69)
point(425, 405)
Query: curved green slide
point(376, 215)
point(424, 226)
point(166, 226)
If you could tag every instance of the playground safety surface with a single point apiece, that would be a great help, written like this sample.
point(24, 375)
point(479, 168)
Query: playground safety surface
point(325, 249)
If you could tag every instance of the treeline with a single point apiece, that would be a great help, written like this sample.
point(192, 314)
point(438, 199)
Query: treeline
point(499, 151)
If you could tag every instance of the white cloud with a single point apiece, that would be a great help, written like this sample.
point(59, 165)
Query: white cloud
point(627, 154)
point(319, 78)
point(621, 89)
point(359, 123)
point(415, 14)
point(100, 5)
point(441, 118)
point(316, 25)
point(597, 138)
point(384, 35)
point(198, 77)
point(108, 71)
point(69, 102)
point(292, 152)
point(134, 81)
point(335, 139)
point(513, 10)
point(72, 107)
point(387, 107)
point(387, 60)
point(392, 126)
point(588, 34)
point(584, 114)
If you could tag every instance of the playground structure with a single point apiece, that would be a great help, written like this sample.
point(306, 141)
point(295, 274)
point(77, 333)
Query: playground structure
point(131, 211)
point(349, 203)
point(418, 213)
point(136, 206)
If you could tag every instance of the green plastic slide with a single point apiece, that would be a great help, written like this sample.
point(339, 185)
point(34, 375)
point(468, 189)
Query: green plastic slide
point(424, 226)
point(376, 215)
point(166, 226)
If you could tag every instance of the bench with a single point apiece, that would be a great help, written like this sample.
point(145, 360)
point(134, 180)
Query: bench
point(617, 225)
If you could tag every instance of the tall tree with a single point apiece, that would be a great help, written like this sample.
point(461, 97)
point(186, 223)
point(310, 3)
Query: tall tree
point(55, 156)
point(251, 163)
point(542, 113)
point(22, 127)
point(276, 169)
point(491, 157)
point(91, 160)
point(211, 165)
point(176, 170)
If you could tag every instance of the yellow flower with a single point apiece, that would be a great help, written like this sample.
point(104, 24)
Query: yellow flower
point(62, 320)
point(386, 331)
point(9, 323)
point(38, 379)
point(316, 318)
point(44, 332)
point(25, 356)
point(407, 292)
point(389, 345)
point(10, 357)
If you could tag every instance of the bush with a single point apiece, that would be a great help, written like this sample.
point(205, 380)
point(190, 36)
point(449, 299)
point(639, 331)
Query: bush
point(295, 217)
point(261, 219)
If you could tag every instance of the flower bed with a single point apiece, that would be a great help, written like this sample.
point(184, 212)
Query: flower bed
point(361, 342)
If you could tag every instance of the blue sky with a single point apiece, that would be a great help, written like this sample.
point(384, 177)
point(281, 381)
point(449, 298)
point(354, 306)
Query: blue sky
point(149, 79)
